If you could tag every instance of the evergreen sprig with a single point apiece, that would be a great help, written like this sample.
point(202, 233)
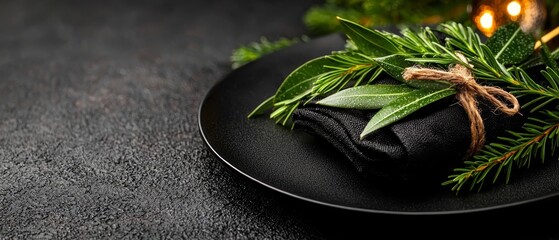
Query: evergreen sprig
point(538, 140)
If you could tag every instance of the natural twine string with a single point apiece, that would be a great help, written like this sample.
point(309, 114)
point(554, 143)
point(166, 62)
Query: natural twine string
point(467, 90)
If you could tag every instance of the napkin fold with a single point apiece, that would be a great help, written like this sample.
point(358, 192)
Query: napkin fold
point(424, 146)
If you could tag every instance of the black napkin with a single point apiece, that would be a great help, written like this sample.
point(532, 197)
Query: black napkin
point(425, 146)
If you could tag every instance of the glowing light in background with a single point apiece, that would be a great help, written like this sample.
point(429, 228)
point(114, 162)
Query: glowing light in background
point(489, 15)
point(514, 8)
point(486, 20)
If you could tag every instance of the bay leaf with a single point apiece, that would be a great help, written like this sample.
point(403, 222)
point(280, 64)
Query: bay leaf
point(263, 107)
point(301, 79)
point(394, 65)
point(366, 97)
point(369, 41)
point(404, 106)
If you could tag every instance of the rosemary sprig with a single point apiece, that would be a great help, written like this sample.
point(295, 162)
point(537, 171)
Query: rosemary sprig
point(481, 59)
point(345, 67)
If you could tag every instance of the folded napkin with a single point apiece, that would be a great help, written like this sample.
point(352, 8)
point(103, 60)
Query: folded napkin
point(424, 146)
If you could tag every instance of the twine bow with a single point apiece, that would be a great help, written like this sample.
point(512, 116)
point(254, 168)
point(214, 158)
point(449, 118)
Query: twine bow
point(467, 90)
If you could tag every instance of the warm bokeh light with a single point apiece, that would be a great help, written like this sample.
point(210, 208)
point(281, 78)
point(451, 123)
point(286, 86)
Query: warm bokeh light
point(489, 15)
point(514, 9)
point(486, 20)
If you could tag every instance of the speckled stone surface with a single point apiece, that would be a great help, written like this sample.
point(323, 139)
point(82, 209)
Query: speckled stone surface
point(98, 119)
point(99, 133)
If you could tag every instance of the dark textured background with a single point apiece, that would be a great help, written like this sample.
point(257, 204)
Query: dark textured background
point(99, 132)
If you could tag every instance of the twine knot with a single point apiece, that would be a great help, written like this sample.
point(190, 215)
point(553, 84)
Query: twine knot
point(467, 89)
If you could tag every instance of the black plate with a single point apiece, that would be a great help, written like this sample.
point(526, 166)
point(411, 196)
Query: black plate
point(304, 167)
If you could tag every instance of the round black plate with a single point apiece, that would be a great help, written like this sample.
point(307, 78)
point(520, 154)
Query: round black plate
point(304, 167)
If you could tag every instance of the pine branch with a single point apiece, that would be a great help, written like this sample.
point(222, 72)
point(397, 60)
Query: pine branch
point(538, 140)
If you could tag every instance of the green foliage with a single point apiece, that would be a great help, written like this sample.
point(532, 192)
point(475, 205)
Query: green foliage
point(371, 52)
point(318, 77)
point(295, 87)
point(538, 140)
point(252, 51)
point(321, 19)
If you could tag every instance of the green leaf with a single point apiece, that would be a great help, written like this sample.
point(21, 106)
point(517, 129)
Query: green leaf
point(301, 79)
point(260, 109)
point(366, 97)
point(510, 44)
point(404, 106)
point(429, 84)
point(369, 41)
point(394, 65)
